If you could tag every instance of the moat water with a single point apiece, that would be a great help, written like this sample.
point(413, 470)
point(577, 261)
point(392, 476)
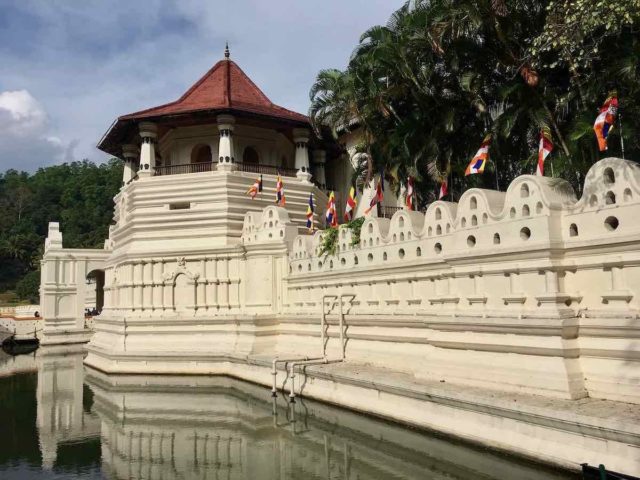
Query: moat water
point(60, 420)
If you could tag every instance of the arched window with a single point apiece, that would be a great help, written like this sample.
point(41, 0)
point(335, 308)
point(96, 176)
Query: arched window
point(201, 154)
point(250, 155)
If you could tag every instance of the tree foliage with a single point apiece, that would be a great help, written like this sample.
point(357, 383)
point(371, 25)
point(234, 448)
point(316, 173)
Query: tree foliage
point(79, 195)
point(427, 87)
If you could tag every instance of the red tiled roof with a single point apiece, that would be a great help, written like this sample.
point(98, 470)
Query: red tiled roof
point(224, 87)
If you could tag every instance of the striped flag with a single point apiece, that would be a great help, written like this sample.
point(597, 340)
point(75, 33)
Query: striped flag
point(350, 206)
point(379, 196)
point(255, 188)
point(443, 189)
point(280, 199)
point(310, 225)
point(331, 215)
point(479, 161)
point(604, 121)
point(410, 192)
point(544, 149)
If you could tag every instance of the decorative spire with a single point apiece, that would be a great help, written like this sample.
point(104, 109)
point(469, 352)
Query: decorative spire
point(227, 54)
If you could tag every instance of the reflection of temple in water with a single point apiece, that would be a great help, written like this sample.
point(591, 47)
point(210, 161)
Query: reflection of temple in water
point(215, 427)
point(170, 428)
point(64, 414)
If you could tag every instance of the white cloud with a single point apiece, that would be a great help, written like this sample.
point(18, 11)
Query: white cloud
point(20, 113)
point(25, 139)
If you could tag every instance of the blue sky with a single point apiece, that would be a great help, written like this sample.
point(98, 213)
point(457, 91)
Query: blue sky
point(68, 68)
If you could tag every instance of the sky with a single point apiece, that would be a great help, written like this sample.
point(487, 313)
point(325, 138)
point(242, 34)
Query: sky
point(69, 68)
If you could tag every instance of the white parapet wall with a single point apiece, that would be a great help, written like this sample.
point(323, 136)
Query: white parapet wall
point(530, 289)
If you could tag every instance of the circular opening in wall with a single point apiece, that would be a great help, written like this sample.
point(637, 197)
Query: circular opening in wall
point(401, 253)
point(270, 213)
point(438, 230)
point(627, 195)
point(319, 265)
point(525, 233)
point(464, 222)
point(539, 207)
point(331, 264)
point(473, 203)
point(343, 261)
point(384, 256)
point(299, 268)
point(573, 230)
point(524, 191)
point(355, 260)
point(611, 223)
point(471, 241)
point(512, 212)
point(448, 228)
point(609, 176)
point(593, 201)
point(496, 239)
point(485, 218)
point(402, 237)
point(474, 220)
point(282, 233)
point(371, 242)
point(409, 235)
point(438, 214)
point(525, 211)
point(401, 222)
point(308, 267)
point(418, 252)
point(377, 240)
point(395, 237)
point(610, 198)
point(370, 257)
point(370, 228)
point(437, 247)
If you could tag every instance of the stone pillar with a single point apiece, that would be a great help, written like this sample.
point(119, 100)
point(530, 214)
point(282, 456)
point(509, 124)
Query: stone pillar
point(226, 150)
point(148, 133)
point(319, 161)
point(301, 140)
point(131, 158)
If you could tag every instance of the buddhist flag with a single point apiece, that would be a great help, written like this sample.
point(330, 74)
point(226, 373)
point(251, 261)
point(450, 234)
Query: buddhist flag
point(255, 188)
point(410, 192)
point(544, 149)
point(443, 189)
point(350, 207)
point(479, 161)
point(331, 215)
point(379, 196)
point(604, 121)
point(280, 199)
point(310, 213)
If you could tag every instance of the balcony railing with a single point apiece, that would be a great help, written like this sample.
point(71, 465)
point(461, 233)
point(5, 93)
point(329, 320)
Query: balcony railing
point(209, 166)
point(266, 169)
point(183, 168)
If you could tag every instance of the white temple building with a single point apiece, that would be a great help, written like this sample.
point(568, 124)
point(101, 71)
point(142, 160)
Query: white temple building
point(509, 318)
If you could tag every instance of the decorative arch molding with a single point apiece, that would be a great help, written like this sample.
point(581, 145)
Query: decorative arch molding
point(169, 277)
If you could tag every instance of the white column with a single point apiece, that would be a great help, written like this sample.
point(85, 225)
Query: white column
point(319, 161)
point(226, 151)
point(301, 139)
point(130, 156)
point(148, 133)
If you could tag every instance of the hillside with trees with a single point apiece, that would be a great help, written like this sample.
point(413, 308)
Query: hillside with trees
point(427, 87)
point(79, 195)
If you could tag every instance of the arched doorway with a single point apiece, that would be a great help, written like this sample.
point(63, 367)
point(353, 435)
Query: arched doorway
point(201, 153)
point(250, 155)
point(182, 293)
point(94, 298)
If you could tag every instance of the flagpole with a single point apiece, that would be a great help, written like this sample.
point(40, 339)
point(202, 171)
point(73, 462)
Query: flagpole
point(621, 137)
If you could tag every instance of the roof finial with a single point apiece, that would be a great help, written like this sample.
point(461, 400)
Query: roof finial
point(227, 54)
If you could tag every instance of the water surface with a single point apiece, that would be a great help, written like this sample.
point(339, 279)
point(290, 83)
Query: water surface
point(63, 421)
